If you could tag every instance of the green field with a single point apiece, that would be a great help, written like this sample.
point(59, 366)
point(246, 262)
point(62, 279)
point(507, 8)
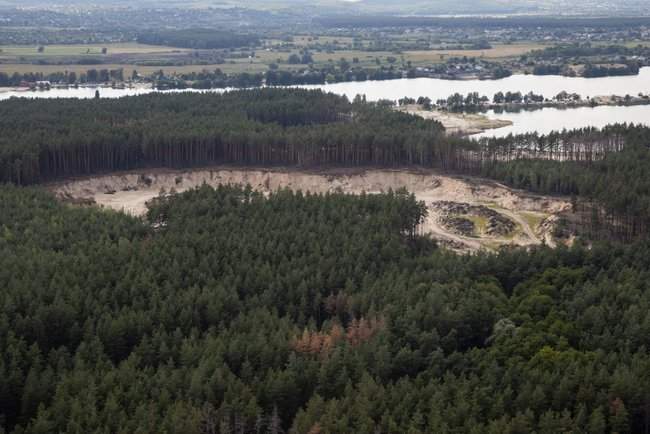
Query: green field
point(83, 49)
point(417, 58)
point(11, 68)
point(60, 58)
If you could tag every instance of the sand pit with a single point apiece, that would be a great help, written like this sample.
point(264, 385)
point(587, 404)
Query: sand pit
point(130, 192)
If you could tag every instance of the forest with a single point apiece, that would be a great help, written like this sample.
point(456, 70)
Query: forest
point(68, 77)
point(607, 169)
point(592, 71)
point(50, 139)
point(228, 312)
point(588, 50)
point(198, 38)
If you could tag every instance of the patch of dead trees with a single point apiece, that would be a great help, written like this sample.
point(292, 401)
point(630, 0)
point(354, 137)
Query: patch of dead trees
point(321, 343)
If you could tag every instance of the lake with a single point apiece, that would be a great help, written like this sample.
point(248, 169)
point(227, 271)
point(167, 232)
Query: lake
point(546, 85)
point(81, 92)
point(541, 121)
point(549, 119)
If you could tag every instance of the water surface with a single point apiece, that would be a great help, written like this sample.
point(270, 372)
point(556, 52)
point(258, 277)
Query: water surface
point(552, 119)
point(547, 85)
point(81, 92)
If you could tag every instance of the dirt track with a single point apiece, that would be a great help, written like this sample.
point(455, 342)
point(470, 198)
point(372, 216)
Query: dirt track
point(130, 192)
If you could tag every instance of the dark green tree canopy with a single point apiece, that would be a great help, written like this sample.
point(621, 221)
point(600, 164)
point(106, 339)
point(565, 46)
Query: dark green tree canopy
point(307, 313)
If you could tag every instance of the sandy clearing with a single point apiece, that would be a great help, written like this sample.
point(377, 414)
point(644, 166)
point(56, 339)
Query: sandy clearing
point(523, 224)
point(130, 192)
point(458, 123)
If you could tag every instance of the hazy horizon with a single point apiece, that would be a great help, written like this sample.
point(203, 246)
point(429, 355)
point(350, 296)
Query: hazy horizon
point(416, 7)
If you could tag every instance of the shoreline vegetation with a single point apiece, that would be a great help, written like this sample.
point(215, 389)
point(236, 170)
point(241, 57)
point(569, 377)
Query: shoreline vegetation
point(470, 103)
point(516, 101)
point(307, 74)
point(466, 115)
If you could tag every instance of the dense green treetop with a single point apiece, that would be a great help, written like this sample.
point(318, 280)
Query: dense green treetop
point(225, 311)
point(228, 312)
point(46, 139)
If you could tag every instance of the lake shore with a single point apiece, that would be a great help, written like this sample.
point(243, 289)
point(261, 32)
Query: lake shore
point(458, 123)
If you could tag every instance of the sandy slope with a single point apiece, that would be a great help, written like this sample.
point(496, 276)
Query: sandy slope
point(130, 192)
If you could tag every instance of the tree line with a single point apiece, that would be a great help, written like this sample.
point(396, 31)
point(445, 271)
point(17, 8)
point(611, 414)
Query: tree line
point(331, 73)
point(606, 168)
point(49, 139)
point(588, 50)
point(64, 77)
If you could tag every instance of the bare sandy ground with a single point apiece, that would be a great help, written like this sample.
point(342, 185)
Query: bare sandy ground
point(129, 192)
point(458, 123)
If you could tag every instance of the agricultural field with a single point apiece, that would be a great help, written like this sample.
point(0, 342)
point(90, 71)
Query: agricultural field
point(228, 68)
point(504, 51)
point(9, 51)
point(150, 58)
point(421, 57)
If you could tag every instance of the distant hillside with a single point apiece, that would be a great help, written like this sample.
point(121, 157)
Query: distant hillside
point(446, 7)
point(413, 7)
